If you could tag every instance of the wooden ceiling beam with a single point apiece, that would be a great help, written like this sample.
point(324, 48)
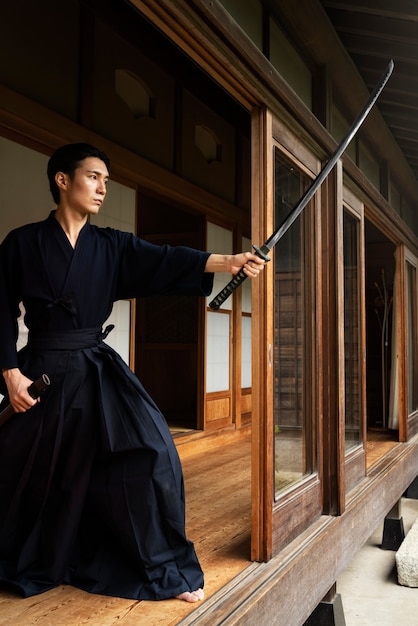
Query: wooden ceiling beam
point(393, 29)
point(407, 134)
point(387, 8)
point(383, 48)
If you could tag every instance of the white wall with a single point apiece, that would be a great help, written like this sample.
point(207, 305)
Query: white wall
point(24, 188)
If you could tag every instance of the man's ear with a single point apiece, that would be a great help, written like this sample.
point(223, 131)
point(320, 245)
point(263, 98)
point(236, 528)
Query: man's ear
point(61, 180)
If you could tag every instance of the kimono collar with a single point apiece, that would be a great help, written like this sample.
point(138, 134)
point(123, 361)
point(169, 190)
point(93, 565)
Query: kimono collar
point(51, 219)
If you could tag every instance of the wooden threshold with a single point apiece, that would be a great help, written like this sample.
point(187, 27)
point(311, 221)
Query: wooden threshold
point(379, 443)
point(218, 496)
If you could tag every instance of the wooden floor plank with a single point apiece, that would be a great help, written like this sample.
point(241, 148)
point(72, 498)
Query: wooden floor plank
point(64, 605)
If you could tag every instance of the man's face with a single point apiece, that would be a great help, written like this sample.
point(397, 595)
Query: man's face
point(85, 192)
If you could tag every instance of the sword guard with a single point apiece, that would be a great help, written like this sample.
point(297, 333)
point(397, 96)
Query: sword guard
point(262, 253)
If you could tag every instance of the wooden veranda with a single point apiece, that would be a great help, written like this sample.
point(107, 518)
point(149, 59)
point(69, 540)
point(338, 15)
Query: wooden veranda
point(218, 487)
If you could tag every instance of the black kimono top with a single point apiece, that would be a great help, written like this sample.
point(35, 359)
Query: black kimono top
point(65, 289)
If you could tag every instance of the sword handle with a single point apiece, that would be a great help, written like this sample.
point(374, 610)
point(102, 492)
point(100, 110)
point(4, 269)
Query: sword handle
point(34, 390)
point(236, 281)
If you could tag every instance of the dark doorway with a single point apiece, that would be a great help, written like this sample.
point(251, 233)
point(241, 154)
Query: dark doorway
point(168, 329)
point(380, 272)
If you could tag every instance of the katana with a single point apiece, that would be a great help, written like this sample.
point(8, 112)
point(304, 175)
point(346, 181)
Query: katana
point(262, 251)
point(35, 390)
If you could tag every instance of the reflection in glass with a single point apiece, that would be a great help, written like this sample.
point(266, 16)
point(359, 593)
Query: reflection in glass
point(293, 420)
point(352, 381)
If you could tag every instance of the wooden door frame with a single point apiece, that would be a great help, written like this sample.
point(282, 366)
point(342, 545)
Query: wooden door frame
point(408, 422)
point(262, 342)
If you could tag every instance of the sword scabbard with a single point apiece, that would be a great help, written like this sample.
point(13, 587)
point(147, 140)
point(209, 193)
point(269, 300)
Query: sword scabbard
point(38, 386)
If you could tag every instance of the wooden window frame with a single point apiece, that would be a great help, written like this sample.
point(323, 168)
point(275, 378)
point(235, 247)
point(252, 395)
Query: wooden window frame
point(274, 524)
point(355, 459)
point(408, 422)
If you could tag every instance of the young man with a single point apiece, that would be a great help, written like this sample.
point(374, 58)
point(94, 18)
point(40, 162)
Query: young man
point(90, 481)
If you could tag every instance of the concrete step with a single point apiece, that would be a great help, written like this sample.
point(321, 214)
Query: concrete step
point(407, 558)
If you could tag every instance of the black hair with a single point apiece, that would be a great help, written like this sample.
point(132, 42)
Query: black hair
point(67, 159)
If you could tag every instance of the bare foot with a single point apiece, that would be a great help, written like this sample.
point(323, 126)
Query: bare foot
point(191, 596)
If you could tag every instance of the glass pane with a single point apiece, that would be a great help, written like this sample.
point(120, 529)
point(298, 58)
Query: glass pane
point(217, 352)
point(351, 332)
point(411, 298)
point(246, 285)
point(246, 353)
point(246, 357)
point(293, 420)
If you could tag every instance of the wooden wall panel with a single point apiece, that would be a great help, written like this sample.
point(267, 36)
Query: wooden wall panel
point(218, 412)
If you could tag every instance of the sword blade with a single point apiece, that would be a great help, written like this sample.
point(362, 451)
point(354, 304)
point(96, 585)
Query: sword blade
point(309, 193)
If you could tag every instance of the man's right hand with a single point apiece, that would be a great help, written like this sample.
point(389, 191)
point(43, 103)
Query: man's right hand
point(17, 388)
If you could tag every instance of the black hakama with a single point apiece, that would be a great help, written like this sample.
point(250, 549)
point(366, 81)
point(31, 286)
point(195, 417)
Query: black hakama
point(91, 486)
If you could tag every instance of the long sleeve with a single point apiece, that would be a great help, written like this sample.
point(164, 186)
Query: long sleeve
point(147, 269)
point(9, 304)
